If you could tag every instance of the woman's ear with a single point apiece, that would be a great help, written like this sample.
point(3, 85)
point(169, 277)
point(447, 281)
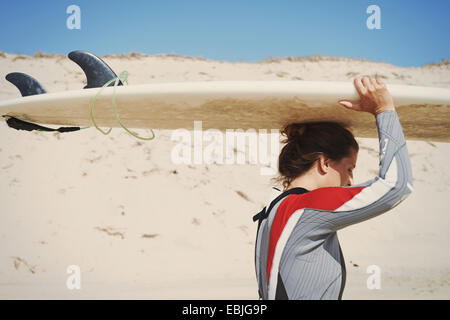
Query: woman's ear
point(323, 164)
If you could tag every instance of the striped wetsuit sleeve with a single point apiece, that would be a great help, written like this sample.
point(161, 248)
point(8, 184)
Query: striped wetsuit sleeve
point(345, 206)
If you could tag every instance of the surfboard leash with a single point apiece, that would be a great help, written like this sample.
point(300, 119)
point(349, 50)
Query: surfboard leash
point(97, 72)
point(19, 124)
point(123, 77)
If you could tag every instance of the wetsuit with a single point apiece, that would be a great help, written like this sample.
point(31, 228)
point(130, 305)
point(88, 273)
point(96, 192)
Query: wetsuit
point(297, 252)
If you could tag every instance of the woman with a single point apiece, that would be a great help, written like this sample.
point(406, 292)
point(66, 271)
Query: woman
point(297, 252)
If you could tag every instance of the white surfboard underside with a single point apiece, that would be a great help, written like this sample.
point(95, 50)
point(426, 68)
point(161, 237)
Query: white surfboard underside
point(423, 111)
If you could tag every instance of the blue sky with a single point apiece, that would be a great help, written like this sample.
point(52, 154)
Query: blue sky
point(413, 32)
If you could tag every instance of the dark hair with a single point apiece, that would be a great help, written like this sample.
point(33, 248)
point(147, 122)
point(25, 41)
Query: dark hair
point(305, 142)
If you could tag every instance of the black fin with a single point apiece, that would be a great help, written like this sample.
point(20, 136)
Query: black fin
point(26, 84)
point(28, 126)
point(97, 71)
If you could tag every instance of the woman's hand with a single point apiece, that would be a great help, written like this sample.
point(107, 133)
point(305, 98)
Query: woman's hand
point(375, 97)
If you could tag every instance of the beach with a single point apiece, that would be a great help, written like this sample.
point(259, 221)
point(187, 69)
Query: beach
point(139, 226)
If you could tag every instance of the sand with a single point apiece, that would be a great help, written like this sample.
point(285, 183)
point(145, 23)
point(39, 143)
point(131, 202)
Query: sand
point(142, 227)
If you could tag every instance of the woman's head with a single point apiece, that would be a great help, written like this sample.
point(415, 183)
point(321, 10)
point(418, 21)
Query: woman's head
point(324, 151)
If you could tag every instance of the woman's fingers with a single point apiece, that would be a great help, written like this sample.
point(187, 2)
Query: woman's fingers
point(373, 96)
point(352, 105)
point(346, 104)
point(360, 87)
point(380, 83)
point(368, 84)
point(374, 83)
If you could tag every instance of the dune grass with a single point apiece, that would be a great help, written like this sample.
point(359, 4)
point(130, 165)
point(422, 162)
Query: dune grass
point(311, 58)
point(136, 55)
point(444, 62)
point(39, 54)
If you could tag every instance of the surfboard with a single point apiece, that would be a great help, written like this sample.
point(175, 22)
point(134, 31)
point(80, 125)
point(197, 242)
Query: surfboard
point(424, 112)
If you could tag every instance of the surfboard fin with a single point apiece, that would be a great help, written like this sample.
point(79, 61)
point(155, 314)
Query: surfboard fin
point(26, 84)
point(29, 86)
point(96, 70)
point(28, 126)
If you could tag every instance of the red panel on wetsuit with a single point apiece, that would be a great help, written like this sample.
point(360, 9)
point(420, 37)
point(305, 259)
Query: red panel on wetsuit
point(328, 199)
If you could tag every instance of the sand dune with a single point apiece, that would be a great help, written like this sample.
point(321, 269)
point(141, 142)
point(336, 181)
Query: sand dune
point(139, 226)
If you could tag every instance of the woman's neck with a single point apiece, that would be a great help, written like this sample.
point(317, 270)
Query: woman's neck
point(307, 182)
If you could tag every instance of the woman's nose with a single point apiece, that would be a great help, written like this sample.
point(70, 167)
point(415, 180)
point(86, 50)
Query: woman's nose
point(350, 182)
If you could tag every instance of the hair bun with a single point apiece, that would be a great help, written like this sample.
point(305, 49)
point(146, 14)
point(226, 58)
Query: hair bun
point(294, 131)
